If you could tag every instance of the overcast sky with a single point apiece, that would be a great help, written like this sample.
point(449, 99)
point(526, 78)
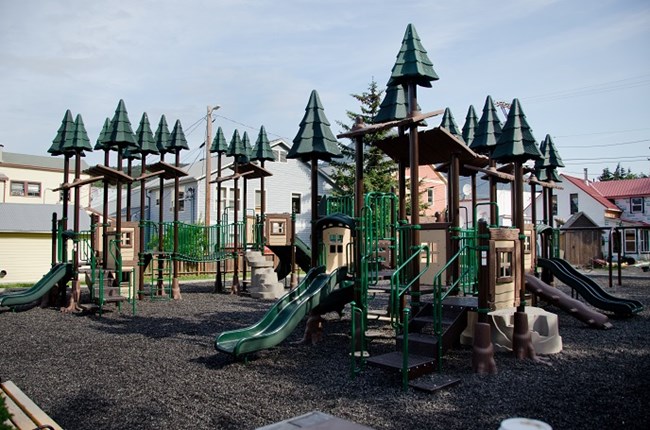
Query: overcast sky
point(581, 69)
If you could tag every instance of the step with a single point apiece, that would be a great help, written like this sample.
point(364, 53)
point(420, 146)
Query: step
point(422, 344)
point(433, 383)
point(417, 365)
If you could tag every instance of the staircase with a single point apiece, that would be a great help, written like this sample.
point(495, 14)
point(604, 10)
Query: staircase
point(264, 282)
point(424, 346)
point(104, 288)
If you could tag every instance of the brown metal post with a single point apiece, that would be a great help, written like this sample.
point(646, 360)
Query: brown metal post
point(176, 289)
point(161, 233)
point(105, 215)
point(493, 196)
point(314, 210)
point(55, 234)
point(218, 282)
point(141, 243)
point(294, 280)
point(414, 167)
point(474, 198)
point(129, 171)
point(454, 210)
point(262, 210)
point(234, 289)
point(76, 288)
point(245, 231)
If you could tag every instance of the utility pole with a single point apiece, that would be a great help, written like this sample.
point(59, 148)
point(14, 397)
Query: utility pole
point(208, 162)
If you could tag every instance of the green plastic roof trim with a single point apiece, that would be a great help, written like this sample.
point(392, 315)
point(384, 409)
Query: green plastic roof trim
point(63, 134)
point(162, 135)
point(516, 142)
point(412, 64)
point(219, 143)
point(120, 133)
point(144, 137)
point(449, 123)
point(262, 150)
point(314, 138)
point(469, 128)
point(488, 129)
point(177, 141)
point(79, 141)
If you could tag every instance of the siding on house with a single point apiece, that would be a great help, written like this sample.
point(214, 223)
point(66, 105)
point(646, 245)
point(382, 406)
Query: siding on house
point(25, 256)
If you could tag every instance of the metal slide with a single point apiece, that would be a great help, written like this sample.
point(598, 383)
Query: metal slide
point(283, 317)
point(59, 272)
point(589, 289)
point(568, 304)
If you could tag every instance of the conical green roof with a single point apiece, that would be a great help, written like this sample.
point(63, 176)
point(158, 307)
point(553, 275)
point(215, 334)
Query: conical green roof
point(120, 134)
point(394, 106)
point(129, 154)
point(161, 138)
point(412, 64)
point(314, 138)
point(551, 158)
point(262, 150)
point(488, 129)
point(469, 128)
point(177, 141)
point(101, 140)
point(79, 141)
point(144, 137)
point(219, 143)
point(63, 134)
point(516, 142)
point(449, 123)
point(246, 143)
point(236, 147)
point(540, 171)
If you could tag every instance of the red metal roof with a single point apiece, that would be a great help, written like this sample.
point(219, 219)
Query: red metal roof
point(623, 188)
point(588, 187)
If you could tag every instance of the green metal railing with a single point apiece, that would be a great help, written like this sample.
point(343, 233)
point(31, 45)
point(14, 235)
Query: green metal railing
point(401, 285)
point(468, 259)
point(439, 295)
point(340, 204)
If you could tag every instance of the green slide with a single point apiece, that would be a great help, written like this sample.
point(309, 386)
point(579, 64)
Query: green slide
point(59, 272)
point(283, 317)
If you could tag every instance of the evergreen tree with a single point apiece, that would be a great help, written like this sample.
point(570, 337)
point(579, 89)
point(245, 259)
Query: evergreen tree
point(378, 169)
point(619, 173)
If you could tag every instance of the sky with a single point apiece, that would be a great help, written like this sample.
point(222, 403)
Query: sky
point(581, 69)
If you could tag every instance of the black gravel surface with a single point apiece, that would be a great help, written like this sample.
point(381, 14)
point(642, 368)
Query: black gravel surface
point(159, 370)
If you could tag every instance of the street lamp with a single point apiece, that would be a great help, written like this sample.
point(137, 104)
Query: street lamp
point(208, 161)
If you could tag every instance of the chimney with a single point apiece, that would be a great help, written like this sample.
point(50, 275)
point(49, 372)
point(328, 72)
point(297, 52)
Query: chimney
point(586, 175)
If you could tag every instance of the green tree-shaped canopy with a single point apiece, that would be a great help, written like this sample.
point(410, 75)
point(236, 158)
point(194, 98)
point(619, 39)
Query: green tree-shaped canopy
point(219, 144)
point(177, 141)
point(246, 143)
point(469, 128)
point(101, 140)
point(120, 133)
point(79, 142)
point(63, 134)
point(262, 150)
point(449, 123)
point(144, 137)
point(545, 167)
point(488, 129)
point(162, 136)
point(314, 138)
point(551, 158)
point(236, 148)
point(394, 105)
point(412, 64)
point(516, 142)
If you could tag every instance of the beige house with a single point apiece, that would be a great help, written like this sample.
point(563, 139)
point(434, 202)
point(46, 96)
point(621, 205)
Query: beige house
point(27, 202)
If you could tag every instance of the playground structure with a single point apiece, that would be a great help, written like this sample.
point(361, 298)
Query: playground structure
point(436, 277)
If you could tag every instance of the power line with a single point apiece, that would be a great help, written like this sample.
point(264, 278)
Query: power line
point(609, 86)
point(601, 132)
point(588, 145)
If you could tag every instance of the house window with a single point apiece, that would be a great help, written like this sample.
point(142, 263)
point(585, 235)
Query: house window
point(223, 194)
point(573, 203)
point(554, 204)
point(181, 202)
point(504, 265)
point(630, 241)
point(644, 241)
point(295, 202)
point(258, 200)
point(430, 196)
point(28, 189)
point(229, 198)
point(280, 155)
point(636, 205)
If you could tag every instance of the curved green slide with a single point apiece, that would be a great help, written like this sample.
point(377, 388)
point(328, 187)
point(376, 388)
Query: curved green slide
point(284, 315)
point(59, 272)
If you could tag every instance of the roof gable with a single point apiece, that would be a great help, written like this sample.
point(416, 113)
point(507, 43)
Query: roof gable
point(623, 188)
point(588, 188)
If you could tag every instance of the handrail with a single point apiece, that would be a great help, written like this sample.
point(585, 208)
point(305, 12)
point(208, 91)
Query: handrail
point(354, 369)
point(395, 292)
